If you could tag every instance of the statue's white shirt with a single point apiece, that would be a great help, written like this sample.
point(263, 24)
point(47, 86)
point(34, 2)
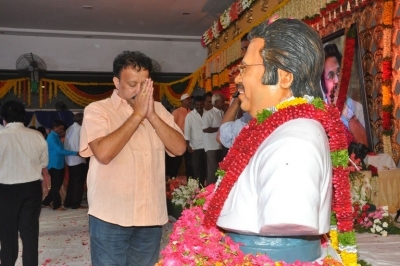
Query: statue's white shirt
point(286, 188)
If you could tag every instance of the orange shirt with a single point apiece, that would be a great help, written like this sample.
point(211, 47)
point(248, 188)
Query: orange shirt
point(130, 190)
point(180, 115)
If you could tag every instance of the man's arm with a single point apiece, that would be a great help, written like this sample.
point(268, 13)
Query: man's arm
point(57, 145)
point(106, 148)
point(173, 140)
point(207, 122)
point(46, 179)
point(230, 115)
point(210, 129)
point(188, 132)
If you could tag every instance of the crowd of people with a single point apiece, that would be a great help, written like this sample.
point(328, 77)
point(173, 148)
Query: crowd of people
point(128, 135)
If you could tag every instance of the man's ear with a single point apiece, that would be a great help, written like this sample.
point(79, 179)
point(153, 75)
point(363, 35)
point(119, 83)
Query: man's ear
point(116, 82)
point(285, 79)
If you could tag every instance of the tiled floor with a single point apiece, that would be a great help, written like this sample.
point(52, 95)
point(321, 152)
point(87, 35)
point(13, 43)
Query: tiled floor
point(64, 240)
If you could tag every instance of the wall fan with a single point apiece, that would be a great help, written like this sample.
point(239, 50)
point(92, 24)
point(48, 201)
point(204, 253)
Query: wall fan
point(32, 66)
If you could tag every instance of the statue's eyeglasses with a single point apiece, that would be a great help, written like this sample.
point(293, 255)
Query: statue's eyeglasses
point(242, 68)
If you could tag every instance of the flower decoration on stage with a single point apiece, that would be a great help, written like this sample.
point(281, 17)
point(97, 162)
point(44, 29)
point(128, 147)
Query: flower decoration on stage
point(173, 184)
point(197, 239)
point(230, 15)
point(184, 195)
point(387, 106)
point(369, 219)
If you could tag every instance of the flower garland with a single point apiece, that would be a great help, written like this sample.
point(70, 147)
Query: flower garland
point(387, 107)
point(229, 16)
point(345, 71)
point(194, 228)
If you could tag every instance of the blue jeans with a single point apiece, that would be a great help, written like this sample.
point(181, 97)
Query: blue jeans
point(111, 244)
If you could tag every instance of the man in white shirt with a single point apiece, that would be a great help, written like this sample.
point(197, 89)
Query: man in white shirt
point(212, 120)
point(76, 165)
point(194, 139)
point(24, 157)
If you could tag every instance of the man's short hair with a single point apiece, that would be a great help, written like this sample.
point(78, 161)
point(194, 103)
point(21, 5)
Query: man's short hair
point(207, 94)
point(293, 46)
point(136, 60)
point(13, 111)
point(57, 123)
point(198, 98)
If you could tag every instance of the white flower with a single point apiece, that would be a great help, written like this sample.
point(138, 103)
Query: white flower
point(372, 230)
point(385, 224)
point(385, 214)
point(378, 229)
point(384, 233)
point(385, 208)
point(377, 221)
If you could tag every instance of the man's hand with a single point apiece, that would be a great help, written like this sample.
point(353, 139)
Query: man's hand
point(141, 102)
point(189, 149)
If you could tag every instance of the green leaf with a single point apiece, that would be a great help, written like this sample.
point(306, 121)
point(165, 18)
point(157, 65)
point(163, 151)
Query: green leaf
point(263, 115)
point(340, 158)
point(347, 238)
point(318, 103)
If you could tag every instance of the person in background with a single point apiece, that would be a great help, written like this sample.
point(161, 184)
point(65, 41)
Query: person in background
point(43, 131)
point(207, 101)
point(211, 121)
point(180, 114)
point(76, 165)
point(194, 139)
point(56, 165)
point(126, 137)
point(24, 157)
point(234, 118)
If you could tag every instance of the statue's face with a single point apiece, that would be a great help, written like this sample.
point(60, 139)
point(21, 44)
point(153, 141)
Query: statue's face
point(254, 95)
point(331, 76)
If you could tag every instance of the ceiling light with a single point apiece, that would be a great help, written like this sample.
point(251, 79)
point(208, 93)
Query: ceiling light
point(87, 7)
point(185, 13)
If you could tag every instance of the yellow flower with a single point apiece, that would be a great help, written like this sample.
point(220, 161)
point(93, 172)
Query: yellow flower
point(349, 259)
point(334, 239)
point(295, 101)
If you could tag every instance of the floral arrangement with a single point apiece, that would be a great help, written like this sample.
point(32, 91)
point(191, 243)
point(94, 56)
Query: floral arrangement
point(369, 219)
point(190, 243)
point(197, 240)
point(184, 195)
point(173, 184)
point(230, 15)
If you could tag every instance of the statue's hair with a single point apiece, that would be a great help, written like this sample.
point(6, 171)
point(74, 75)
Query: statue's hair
point(293, 46)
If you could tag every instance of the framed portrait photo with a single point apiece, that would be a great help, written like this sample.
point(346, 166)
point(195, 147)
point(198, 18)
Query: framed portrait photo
point(342, 83)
